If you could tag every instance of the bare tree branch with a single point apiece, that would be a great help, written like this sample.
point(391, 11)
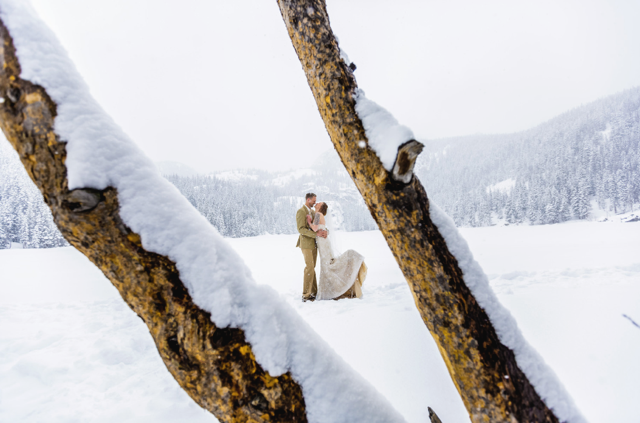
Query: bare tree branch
point(433, 416)
point(631, 320)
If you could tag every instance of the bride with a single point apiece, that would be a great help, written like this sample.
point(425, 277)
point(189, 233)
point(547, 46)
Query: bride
point(341, 275)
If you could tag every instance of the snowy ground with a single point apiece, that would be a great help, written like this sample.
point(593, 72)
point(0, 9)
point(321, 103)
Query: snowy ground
point(71, 351)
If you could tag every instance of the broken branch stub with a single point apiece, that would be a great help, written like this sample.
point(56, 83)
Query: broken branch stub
point(406, 160)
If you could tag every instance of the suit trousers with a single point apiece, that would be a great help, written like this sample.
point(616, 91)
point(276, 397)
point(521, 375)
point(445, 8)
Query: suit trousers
point(310, 287)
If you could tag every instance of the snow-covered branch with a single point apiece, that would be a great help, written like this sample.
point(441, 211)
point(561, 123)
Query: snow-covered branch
point(235, 347)
point(499, 376)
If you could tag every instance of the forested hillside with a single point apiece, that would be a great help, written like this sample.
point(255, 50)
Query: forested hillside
point(238, 203)
point(24, 217)
point(253, 202)
point(582, 164)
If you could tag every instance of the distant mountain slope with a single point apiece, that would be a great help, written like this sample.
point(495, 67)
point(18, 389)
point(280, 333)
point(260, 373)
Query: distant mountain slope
point(252, 202)
point(582, 164)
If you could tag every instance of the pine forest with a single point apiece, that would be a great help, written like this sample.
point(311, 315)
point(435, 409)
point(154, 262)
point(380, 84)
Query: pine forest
point(583, 164)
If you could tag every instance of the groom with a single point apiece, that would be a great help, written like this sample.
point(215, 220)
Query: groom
point(307, 243)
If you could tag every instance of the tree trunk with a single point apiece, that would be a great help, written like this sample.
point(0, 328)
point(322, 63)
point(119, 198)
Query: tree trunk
point(215, 366)
point(492, 386)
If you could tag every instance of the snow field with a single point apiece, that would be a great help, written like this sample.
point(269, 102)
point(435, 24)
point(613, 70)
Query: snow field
point(85, 362)
point(100, 155)
point(70, 350)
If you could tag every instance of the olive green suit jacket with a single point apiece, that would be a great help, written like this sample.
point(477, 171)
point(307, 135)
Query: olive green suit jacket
point(307, 238)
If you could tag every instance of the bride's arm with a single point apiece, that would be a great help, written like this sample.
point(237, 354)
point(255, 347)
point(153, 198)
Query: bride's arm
point(316, 221)
point(322, 222)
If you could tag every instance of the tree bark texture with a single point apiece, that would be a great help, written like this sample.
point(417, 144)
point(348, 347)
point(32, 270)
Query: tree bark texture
point(492, 386)
point(215, 366)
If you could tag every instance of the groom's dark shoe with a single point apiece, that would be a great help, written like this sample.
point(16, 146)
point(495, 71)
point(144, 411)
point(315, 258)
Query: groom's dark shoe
point(304, 300)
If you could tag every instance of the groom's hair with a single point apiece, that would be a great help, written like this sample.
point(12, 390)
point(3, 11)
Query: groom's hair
point(309, 195)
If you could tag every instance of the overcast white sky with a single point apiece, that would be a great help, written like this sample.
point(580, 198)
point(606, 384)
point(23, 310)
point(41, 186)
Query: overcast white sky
point(216, 84)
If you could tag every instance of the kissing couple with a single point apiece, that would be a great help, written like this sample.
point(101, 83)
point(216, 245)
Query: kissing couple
point(341, 275)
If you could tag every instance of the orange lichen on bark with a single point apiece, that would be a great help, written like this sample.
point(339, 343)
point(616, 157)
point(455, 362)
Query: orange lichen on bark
point(476, 359)
point(214, 365)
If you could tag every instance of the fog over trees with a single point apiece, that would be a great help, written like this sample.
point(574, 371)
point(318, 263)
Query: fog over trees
point(582, 160)
point(253, 202)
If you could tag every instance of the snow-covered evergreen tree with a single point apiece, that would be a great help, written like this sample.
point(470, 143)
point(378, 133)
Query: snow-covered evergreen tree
point(24, 217)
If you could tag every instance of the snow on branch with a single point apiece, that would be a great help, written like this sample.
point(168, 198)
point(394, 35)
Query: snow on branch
point(499, 376)
point(100, 156)
point(541, 376)
point(393, 143)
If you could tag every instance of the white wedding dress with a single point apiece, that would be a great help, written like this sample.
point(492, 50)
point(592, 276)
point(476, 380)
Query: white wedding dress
point(341, 276)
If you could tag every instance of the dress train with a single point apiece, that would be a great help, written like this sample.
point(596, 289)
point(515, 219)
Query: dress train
point(341, 276)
